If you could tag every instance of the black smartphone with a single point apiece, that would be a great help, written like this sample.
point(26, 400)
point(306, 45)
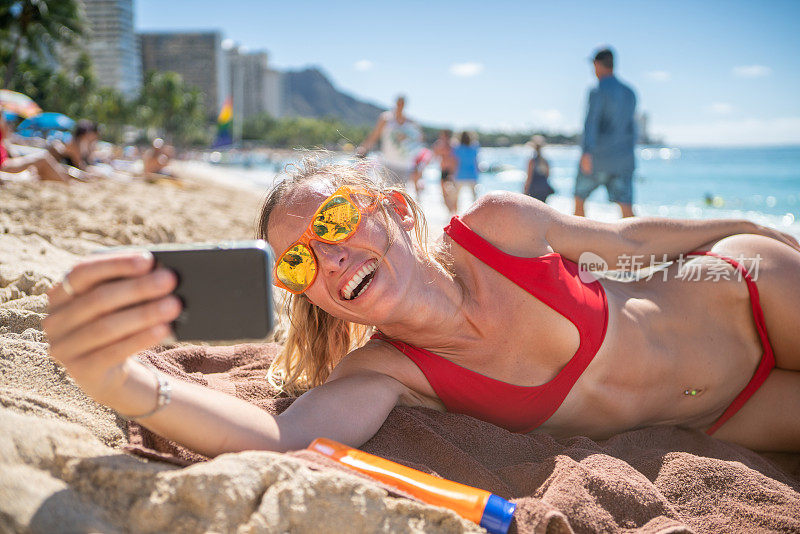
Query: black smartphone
point(225, 288)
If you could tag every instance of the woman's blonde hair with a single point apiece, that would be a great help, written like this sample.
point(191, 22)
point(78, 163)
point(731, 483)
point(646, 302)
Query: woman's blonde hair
point(316, 341)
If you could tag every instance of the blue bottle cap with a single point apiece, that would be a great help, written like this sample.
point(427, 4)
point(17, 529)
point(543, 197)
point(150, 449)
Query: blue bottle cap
point(497, 515)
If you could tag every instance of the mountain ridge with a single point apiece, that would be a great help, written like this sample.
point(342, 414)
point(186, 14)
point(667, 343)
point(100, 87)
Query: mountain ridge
point(310, 93)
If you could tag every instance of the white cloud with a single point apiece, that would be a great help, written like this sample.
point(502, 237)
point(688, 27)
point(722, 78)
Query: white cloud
point(751, 71)
point(363, 65)
point(466, 70)
point(658, 75)
point(745, 132)
point(548, 119)
point(720, 108)
point(227, 44)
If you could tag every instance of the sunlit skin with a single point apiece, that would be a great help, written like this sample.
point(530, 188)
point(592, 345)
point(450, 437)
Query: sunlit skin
point(663, 337)
point(400, 299)
point(637, 379)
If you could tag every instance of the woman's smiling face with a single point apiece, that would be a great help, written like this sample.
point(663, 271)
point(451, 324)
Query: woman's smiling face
point(359, 278)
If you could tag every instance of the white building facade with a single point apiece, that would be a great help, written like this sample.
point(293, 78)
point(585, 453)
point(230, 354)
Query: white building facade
point(255, 88)
point(112, 44)
point(196, 56)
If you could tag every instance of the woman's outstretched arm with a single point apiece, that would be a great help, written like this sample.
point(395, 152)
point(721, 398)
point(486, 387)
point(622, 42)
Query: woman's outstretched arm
point(648, 236)
point(349, 410)
point(507, 214)
point(116, 307)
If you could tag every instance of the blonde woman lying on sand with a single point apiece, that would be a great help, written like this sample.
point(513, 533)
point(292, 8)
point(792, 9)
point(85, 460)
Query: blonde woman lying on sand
point(496, 322)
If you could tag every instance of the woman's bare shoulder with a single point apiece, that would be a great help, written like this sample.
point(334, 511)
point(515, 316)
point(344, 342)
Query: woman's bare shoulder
point(383, 358)
point(514, 223)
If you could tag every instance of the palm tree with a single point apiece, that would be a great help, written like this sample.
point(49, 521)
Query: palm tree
point(173, 108)
point(37, 26)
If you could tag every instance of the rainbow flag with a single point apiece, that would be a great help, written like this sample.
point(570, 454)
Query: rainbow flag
point(225, 125)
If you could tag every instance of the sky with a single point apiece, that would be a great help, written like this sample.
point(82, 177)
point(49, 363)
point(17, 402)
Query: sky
point(705, 72)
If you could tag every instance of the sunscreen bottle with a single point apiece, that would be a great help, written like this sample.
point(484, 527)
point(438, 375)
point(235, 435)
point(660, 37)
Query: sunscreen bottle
point(479, 506)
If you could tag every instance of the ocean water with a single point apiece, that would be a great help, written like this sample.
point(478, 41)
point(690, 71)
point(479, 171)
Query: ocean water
point(760, 184)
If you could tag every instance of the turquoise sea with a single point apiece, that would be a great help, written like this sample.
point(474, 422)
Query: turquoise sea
point(761, 184)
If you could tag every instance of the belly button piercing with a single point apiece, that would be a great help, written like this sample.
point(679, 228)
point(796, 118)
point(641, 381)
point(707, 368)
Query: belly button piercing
point(691, 392)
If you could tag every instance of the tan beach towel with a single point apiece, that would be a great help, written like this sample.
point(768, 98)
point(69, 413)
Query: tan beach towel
point(662, 479)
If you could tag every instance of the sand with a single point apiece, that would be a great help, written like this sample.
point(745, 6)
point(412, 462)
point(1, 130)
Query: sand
point(63, 469)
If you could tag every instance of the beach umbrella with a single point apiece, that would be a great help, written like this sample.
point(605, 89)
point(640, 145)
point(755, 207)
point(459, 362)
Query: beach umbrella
point(44, 123)
point(9, 116)
point(18, 103)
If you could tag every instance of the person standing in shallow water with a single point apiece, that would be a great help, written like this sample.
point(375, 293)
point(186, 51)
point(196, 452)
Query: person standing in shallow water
point(609, 135)
point(537, 185)
point(466, 153)
point(400, 141)
point(443, 149)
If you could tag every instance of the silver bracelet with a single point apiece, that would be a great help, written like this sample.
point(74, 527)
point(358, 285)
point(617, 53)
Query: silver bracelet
point(163, 396)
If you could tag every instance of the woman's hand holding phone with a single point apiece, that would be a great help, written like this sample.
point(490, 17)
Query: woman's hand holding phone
point(109, 308)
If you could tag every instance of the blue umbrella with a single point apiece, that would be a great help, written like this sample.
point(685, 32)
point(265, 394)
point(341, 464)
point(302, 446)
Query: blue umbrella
point(9, 116)
point(45, 122)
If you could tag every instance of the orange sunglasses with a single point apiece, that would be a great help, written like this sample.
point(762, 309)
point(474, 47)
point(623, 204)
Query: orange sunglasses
point(335, 221)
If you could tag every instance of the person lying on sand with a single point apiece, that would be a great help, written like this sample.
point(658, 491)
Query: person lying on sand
point(155, 160)
point(77, 155)
point(496, 321)
point(41, 163)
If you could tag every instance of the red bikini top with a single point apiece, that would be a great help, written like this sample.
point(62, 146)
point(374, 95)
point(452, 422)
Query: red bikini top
point(554, 281)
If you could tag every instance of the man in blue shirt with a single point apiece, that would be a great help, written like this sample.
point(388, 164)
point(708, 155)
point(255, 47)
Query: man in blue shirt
point(609, 135)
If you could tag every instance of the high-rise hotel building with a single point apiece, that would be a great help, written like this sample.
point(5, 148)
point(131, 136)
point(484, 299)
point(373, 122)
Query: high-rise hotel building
point(196, 56)
point(255, 87)
point(112, 45)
